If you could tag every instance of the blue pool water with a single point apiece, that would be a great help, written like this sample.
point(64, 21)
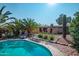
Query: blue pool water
point(22, 48)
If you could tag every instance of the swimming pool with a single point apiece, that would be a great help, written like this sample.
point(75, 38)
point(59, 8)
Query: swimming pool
point(22, 48)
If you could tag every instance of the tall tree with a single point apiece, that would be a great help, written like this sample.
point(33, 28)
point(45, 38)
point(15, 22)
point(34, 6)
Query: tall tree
point(64, 26)
point(30, 25)
point(15, 26)
point(63, 20)
point(59, 20)
point(76, 14)
point(74, 31)
point(18, 25)
point(4, 16)
point(51, 25)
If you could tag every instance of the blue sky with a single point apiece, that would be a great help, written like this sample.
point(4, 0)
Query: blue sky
point(41, 12)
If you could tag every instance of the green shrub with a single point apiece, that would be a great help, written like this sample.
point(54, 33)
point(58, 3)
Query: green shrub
point(51, 38)
point(9, 36)
point(40, 36)
point(74, 31)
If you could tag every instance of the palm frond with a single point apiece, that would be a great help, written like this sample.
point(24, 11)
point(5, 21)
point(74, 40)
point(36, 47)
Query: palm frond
point(2, 9)
point(7, 13)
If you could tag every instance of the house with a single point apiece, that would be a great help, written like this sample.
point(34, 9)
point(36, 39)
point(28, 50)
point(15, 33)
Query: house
point(52, 30)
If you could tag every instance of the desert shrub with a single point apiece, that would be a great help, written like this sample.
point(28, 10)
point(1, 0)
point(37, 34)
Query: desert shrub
point(45, 37)
point(40, 36)
point(9, 36)
point(74, 31)
point(52, 38)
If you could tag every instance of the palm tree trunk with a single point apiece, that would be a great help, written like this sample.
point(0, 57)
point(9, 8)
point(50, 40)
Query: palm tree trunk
point(0, 35)
point(29, 33)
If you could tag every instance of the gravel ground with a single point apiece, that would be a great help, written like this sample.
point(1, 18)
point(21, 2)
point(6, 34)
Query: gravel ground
point(63, 46)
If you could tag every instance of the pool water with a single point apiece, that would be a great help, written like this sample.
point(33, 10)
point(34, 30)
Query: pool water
point(22, 48)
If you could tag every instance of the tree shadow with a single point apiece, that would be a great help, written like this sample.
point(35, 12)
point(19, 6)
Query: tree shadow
point(68, 42)
point(59, 43)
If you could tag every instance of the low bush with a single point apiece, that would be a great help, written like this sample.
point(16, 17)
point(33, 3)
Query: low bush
point(45, 37)
point(40, 36)
point(52, 38)
point(9, 36)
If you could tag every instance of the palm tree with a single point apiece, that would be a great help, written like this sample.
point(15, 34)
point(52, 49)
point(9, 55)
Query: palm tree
point(30, 25)
point(15, 27)
point(18, 25)
point(4, 16)
point(76, 14)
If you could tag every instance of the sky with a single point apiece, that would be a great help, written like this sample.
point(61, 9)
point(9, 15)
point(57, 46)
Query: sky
point(43, 13)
